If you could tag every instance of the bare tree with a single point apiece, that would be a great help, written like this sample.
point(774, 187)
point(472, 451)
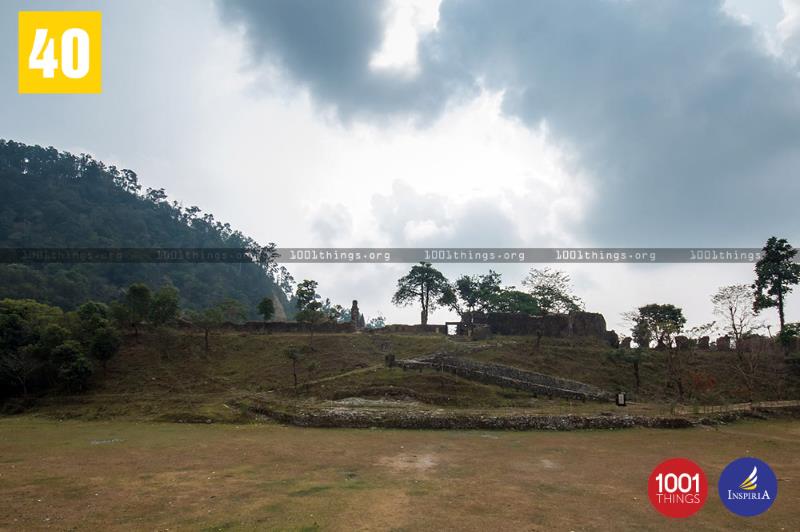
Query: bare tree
point(19, 366)
point(734, 305)
point(552, 290)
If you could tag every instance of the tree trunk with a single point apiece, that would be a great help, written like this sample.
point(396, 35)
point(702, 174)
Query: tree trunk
point(294, 374)
point(426, 298)
point(780, 307)
point(206, 339)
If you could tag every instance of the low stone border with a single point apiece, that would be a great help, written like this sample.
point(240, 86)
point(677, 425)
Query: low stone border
point(351, 418)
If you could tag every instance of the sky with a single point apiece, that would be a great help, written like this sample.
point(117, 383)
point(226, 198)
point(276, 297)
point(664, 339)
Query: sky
point(452, 123)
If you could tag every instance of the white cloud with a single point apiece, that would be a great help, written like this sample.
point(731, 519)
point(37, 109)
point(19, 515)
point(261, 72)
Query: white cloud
point(406, 21)
point(789, 29)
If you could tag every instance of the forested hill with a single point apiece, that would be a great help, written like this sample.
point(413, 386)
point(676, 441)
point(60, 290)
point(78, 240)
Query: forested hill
point(55, 199)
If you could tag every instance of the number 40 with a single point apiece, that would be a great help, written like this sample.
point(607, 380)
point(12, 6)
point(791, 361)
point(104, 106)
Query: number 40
point(47, 63)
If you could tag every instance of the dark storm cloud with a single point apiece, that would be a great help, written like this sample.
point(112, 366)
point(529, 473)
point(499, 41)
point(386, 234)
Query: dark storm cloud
point(687, 125)
point(689, 129)
point(327, 46)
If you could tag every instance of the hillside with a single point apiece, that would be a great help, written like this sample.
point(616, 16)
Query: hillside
point(55, 199)
point(167, 375)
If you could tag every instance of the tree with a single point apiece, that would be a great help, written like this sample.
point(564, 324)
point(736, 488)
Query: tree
point(306, 294)
point(424, 284)
point(137, 301)
point(657, 322)
point(378, 322)
point(734, 305)
point(310, 309)
point(208, 319)
point(92, 316)
point(787, 337)
point(18, 366)
point(344, 316)
point(232, 311)
point(74, 369)
point(266, 308)
point(35, 347)
point(634, 357)
point(552, 290)
point(164, 306)
point(293, 354)
point(105, 343)
point(776, 273)
point(285, 281)
point(516, 302)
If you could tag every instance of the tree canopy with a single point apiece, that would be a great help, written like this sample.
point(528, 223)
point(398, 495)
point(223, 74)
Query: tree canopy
point(56, 199)
point(552, 290)
point(425, 285)
point(776, 274)
point(659, 322)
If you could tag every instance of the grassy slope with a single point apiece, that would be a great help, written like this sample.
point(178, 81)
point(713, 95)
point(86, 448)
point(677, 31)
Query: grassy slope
point(708, 376)
point(167, 375)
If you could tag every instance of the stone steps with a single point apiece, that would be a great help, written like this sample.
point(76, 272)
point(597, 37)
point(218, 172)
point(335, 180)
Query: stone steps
point(507, 376)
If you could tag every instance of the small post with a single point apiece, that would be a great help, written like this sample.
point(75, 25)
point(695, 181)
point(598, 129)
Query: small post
point(621, 399)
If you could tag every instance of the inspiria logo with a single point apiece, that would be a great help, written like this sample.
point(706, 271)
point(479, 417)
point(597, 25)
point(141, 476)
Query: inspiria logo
point(748, 487)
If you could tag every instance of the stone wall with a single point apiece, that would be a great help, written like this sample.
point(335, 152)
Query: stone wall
point(288, 327)
point(438, 419)
point(400, 328)
point(590, 324)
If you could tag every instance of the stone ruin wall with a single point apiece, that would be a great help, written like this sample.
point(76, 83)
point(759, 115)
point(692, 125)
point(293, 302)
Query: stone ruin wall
point(587, 324)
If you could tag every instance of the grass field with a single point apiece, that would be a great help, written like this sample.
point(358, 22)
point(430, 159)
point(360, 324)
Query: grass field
point(78, 475)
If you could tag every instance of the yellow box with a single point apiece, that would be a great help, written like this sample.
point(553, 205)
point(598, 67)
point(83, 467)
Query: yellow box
point(60, 52)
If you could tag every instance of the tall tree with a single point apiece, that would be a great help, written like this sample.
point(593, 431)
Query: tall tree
point(553, 291)
point(424, 284)
point(310, 309)
point(776, 273)
point(660, 323)
point(164, 307)
point(306, 294)
point(734, 305)
point(207, 319)
point(266, 308)
point(137, 300)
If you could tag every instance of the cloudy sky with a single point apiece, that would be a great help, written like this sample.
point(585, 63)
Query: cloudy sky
point(453, 123)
